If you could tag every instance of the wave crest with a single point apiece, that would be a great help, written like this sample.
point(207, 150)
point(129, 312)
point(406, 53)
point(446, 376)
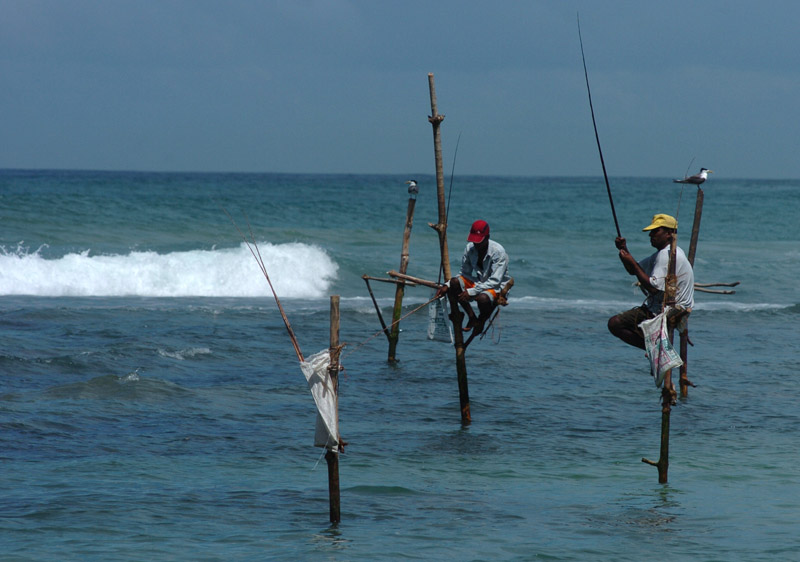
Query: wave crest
point(296, 271)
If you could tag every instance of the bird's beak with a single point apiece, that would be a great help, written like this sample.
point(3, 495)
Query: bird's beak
point(710, 171)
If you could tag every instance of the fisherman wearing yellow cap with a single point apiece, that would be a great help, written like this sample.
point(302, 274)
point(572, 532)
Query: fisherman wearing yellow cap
point(651, 274)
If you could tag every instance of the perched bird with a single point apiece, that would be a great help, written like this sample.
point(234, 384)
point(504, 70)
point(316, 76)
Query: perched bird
point(412, 187)
point(696, 179)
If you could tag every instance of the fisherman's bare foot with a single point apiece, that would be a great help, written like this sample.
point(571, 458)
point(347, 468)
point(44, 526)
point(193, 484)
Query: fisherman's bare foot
point(473, 321)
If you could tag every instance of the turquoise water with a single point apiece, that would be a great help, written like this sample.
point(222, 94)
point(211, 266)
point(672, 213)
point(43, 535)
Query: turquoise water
point(151, 404)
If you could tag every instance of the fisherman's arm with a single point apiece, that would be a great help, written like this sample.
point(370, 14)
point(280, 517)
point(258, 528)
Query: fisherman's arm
point(633, 267)
point(465, 271)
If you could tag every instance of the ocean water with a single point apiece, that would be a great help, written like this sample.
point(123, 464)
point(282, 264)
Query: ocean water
point(152, 407)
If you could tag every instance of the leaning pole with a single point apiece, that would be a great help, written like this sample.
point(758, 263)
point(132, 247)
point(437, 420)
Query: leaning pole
point(441, 228)
point(397, 311)
point(685, 383)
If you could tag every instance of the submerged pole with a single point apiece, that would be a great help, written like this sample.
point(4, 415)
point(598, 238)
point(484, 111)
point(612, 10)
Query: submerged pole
point(685, 383)
point(456, 315)
point(394, 335)
point(332, 456)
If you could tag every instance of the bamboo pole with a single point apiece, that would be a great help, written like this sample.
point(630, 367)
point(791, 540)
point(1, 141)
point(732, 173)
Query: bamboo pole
point(394, 335)
point(685, 383)
point(441, 228)
point(413, 280)
point(456, 316)
point(332, 456)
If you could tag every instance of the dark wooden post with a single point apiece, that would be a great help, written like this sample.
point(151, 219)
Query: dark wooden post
point(670, 291)
point(685, 383)
point(441, 228)
point(394, 335)
point(332, 456)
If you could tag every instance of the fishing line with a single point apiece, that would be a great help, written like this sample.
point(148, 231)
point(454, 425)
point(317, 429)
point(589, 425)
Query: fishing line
point(596, 135)
point(680, 197)
point(360, 345)
point(686, 175)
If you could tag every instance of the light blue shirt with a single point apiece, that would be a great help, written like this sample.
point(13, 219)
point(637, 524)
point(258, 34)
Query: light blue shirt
point(491, 274)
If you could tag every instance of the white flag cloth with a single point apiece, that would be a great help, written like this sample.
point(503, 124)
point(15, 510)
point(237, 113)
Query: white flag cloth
point(315, 369)
point(660, 353)
point(439, 328)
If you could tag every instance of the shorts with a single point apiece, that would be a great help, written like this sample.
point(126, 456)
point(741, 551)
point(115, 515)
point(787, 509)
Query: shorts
point(635, 316)
point(467, 284)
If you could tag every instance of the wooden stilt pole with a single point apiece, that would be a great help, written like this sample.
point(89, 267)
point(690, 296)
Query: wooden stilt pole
point(394, 335)
point(685, 383)
point(441, 228)
point(667, 392)
point(332, 456)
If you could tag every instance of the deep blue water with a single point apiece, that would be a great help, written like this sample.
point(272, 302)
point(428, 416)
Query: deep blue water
point(151, 404)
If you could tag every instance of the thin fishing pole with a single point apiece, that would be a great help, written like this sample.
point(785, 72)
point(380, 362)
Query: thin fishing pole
point(449, 197)
point(596, 135)
point(257, 255)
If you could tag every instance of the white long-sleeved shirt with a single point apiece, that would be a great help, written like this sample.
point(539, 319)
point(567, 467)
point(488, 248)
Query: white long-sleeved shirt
point(491, 274)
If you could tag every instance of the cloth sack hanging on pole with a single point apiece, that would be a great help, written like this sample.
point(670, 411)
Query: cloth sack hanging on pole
point(315, 369)
point(659, 350)
point(439, 329)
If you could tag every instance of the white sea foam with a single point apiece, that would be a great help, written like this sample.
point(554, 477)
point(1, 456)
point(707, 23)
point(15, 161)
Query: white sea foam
point(183, 354)
point(296, 271)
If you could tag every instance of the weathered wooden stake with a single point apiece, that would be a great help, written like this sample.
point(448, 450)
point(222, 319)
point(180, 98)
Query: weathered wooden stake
point(685, 383)
point(394, 335)
point(441, 228)
point(332, 456)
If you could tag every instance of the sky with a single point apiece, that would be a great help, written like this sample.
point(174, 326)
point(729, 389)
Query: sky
point(341, 86)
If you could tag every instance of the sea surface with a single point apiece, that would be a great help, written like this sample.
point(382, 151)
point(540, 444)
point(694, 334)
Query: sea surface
point(152, 406)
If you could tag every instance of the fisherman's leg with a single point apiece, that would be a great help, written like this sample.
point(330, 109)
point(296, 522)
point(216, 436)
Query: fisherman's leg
point(456, 288)
point(625, 326)
point(485, 307)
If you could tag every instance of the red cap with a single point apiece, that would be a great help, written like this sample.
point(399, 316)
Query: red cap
point(479, 231)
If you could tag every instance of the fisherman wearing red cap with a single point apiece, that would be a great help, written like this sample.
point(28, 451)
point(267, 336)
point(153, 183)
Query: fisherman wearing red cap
point(651, 273)
point(484, 273)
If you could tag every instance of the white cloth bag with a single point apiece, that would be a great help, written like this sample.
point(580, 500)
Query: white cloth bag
point(660, 353)
point(439, 327)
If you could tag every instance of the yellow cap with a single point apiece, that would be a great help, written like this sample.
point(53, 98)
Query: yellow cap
point(662, 220)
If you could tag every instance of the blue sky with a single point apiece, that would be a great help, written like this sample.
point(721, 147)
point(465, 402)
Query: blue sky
point(341, 86)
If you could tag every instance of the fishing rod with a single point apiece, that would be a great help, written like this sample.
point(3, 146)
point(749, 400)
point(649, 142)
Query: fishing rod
point(449, 197)
point(596, 136)
point(257, 255)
